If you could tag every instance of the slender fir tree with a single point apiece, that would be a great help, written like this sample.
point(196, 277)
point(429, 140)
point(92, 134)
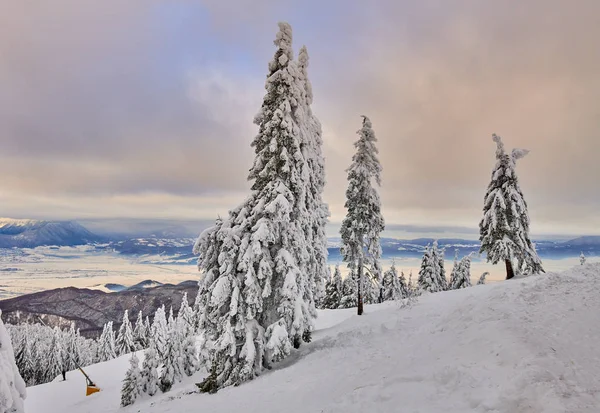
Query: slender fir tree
point(431, 276)
point(54, 365)
point(159, 336)
point(504, 228)
point(314, 176)
point(333, 290)
point(140, 333)
point(582, 258)
point(132, 383)
point(363, 223)
point(125, 343)
point(255, 262)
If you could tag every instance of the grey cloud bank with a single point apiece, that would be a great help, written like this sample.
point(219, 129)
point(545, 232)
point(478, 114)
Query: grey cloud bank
point(144, 109)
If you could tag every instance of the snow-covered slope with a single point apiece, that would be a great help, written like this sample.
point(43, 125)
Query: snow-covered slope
point(528, 345)
point(27, 233)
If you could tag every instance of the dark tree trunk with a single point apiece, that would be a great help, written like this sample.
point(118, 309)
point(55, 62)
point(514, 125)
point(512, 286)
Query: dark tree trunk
point(360, 300)
point(509, 269)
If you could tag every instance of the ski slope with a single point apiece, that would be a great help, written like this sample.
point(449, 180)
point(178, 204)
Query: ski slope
point(526, 345)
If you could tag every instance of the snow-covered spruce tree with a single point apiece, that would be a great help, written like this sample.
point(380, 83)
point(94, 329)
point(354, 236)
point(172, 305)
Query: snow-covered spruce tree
point(438, 254)
point(314, 176)
point(160, 333)
point(132, 383)
point(54, 357)
point(333, 290)
point(582, 258)
point(462, 276)
point(504, 228)
point(453, 274)
point(172, 358)
point(185, 317)
point(125, 343)
point(150, 379)
point(394, 288)
point(349, 291)
point(140, 333)
point(363, 222)
point(430, 275)
point(106, 343)
point(255, 262)
point(12, 386)
point(482, 278)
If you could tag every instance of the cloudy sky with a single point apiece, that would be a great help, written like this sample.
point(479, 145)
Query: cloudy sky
point(143, 109)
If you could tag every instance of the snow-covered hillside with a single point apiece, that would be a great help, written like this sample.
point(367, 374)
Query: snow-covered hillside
point(528, 345)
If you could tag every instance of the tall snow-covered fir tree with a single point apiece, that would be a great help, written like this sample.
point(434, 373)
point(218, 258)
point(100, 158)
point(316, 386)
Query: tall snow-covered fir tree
point(159, 331)
point(125, 343)
point(12, 386)
point(256, 262)
point(462, 274)
point(54, 361)
point(363, 223)
point(504, 228)
point(582, 258)
point(333, 290)
point(140, 333)
point(314, 176)
point(132, 383)
point(432, 276)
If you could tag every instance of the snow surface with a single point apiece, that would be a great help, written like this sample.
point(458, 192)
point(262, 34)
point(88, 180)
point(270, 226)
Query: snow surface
point(525, 345)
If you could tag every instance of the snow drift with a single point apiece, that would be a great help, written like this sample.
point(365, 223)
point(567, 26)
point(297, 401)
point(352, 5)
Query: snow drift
point(525, 345)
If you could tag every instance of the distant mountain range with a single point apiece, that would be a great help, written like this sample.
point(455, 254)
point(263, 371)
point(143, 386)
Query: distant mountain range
point(164, 247)
point(27, 233)
point(90, 309)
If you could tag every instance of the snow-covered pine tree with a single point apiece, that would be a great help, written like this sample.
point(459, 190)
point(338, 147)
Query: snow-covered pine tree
point(125, 343)
point(150, 380)
point(54, 360)
point(482, 278)
point(12, 386)
point(132, 383)
point(106, 343)
point(453, 274)
point(255, 261)
point(190, 355)
point(186, 317)
point(582, 258)
point(172, 358)
point(160, 334)
point(333, 290)
point(393, 289)
point(314, 176)
point(363, 222)
point(349, 291)
point(438, 254)
point(432, 276)
point(462, 277)
point(140, 333)
point(504, 228)
point(24, 357)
